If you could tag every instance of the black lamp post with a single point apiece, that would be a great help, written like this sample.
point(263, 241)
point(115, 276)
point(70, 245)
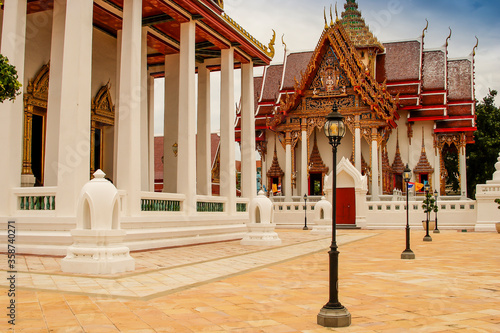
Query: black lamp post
point(436, 230)
point(305, 213)
point(334, 314)
point(427, 187)
point(407, 253)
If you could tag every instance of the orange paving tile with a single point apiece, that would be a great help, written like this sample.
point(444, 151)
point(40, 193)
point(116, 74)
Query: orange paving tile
point(453, 285)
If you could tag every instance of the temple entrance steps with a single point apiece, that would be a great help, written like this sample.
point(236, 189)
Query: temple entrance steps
point(51, 235)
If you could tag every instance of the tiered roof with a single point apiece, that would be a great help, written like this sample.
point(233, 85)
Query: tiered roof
point(316, 164)
point(355, 26)
point(430, 86)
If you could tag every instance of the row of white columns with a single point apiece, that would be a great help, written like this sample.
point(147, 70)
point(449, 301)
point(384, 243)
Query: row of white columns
point(187, 142)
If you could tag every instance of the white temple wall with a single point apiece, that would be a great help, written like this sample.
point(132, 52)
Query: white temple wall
point(104, 67)
point(38, 41)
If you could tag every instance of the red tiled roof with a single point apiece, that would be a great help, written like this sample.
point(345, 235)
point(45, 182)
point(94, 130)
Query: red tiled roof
point(272, 83)
point(433, 72)
point(459, 87)
point(295, 63)
point(402, 61)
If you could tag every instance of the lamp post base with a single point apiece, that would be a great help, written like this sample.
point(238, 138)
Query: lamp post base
point(334, 317)
point(427, 238)
point(305, 228)
point(407, 254)
point(436, 231)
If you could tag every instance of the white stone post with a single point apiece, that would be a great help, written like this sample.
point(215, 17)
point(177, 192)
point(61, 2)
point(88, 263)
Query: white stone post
point(303, 160)
point(463, 172)
point(357, 143)
point(227, 140)
point(144, 113)
point(248, 166)
point(171, 123)
point(186, 167)
point(12, 113)
point(437, 171)
point(488, 214)
point(203, 158)
point(151, 133)
point(117, 102)
point(375, 187)
point(287, 179)
point(129, 107)
point(261, 227)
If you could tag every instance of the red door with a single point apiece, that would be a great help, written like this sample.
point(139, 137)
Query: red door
point(346, 206)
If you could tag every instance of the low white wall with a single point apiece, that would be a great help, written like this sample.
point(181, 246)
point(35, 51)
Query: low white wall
point(392, 215)
point(459, 214)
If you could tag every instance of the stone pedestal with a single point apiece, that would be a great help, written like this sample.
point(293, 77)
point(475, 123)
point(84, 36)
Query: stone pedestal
point(334, 317)
point(28, 180)
point(488, 213)
point(322, 217)
point(261, 229)
point(98, 240)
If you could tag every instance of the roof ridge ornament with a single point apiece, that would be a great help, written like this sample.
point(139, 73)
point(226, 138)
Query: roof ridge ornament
point(283, 41)
point(324, 16)
point(336, 12)
point(475, 46)
point(425, 29)
point(331, 16)
point(449, 36)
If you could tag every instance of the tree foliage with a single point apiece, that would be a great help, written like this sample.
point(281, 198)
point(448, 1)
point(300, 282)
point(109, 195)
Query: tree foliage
point(9, 85)
point(483, 154)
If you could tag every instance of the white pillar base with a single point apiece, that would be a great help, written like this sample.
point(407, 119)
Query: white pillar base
point(261, 234)
point(28, 180)
point(85, 256)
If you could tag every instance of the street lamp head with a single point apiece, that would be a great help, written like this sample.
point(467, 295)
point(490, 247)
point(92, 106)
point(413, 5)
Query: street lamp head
point(305, 196)
point(407, 174)
point(334, 127)
point(435, 194)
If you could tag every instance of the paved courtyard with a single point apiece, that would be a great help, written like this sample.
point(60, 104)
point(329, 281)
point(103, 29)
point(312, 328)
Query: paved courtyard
point(453, 285)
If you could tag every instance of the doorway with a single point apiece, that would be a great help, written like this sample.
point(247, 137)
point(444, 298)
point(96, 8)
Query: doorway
point(315, 184)
point(346, 206)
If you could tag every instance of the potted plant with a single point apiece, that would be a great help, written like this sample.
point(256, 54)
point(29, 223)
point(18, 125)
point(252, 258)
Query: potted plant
point(497, 225)
point(429, 205)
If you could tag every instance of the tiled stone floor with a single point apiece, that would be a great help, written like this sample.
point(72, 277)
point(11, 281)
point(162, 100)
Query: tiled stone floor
point(452, 286)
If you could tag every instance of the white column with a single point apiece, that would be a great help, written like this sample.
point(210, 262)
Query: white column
point(248, 166)
point(303, 162)
point(357, 143)
point(144, 113)
point(55, 91)
point(73, 164)
point(287, 179)
point(203, 146)
point(375, 187)
point(117, 102)
point(186, 158)
point(171, 123)
point(12, 113)
point(437, 172)
point(463, 172)
point(227, 141)
point(129, 108)
point(151, 133)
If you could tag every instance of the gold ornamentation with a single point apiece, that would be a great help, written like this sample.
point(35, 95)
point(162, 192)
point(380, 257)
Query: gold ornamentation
point(269, 51)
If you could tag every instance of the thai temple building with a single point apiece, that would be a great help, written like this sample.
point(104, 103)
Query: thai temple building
point(78, 168)
point(88, 69)
point(403, 103)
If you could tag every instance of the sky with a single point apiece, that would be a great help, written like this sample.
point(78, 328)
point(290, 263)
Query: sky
point(301, 23)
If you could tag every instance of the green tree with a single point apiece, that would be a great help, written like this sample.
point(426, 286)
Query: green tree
point(482, 155)
point(9, 85)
